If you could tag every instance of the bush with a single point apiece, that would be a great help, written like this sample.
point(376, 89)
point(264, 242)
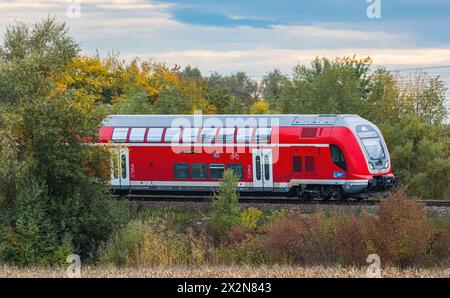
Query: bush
point(145, 243)
point(302, 239)
point(225, 213)
point(350, 242)
point(251, 218)
point(401, 234)
point(30, 238)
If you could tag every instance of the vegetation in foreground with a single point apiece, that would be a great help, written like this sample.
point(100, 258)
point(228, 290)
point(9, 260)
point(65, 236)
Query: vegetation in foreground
point(54, 197)
point(276, 271)
point(401, 234)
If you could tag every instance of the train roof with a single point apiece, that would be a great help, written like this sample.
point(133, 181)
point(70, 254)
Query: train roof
point(265, 120)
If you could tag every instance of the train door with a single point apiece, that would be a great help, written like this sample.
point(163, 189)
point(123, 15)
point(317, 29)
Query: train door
point(262, 169)
point(120, 168)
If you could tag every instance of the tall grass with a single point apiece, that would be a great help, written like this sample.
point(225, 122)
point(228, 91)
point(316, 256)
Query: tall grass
point(400, 234)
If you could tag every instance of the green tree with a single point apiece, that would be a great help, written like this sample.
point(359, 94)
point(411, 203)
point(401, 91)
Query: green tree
point(30, 55)
point(335, 87)
point(272, 86)
point(225, 212)
point(44, 130)
point(238, 85)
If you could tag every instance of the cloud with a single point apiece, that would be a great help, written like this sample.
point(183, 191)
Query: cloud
point(260, 61)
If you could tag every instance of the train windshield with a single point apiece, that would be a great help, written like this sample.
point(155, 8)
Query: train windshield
point(374, 148)
point(371, 141)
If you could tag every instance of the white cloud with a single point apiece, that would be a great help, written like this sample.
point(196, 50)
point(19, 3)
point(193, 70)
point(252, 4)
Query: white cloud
point(260, 61)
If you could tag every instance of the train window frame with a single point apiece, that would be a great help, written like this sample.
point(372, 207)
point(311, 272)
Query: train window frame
point(265, 132)
point(137, 134)
point(242, 136)
point(188, 136)
point(175, 137)
point(215, 166)
point(338, 157)
point(154, 134)
point(210, 136)
point(120, 134)
point(232, 166)
point(186, 165)
point(205, 167)
point(224, 133)
point(310, 166)
point(297, 164)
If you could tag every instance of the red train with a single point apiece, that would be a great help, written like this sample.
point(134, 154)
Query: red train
point(311, 156)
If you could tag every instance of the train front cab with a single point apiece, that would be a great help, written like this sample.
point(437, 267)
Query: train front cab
point(374, 168)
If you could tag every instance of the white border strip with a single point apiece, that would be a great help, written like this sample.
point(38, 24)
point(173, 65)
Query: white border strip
point(292, 182)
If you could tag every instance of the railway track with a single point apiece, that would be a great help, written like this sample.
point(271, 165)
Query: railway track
point(267, 200)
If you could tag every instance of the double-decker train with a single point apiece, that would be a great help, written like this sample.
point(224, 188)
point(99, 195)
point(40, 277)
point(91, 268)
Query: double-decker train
point(310, 156)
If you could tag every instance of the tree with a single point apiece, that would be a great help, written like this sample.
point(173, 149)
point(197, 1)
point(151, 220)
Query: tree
point(327, 87)
point(51, 168)
point(29, 56)
point(225, 212)
point(272, 85)
point(239, 85)
point(259, 107)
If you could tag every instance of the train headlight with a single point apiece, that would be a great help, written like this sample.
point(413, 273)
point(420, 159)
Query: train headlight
point(371, 166)
point(386, 164)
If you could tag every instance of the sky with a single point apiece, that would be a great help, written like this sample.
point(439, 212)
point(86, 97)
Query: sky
point(254, 36)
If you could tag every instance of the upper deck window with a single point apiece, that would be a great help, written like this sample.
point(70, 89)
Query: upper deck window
point(154, 134)
point(262, 135)
point(244, 135)
point(226, 134)
point(172, 135)
point(208, 135)
point(137, 134)
point(190, 134)
point(120, 134)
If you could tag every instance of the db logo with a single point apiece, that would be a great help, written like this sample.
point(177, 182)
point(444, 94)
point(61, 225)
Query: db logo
point(234, 156)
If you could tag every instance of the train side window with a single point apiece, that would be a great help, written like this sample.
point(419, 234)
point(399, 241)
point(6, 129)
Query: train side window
point(137, 134)
point(190, 134)
point(258, 167)
point(262, 135)
point(244, 135)
point(338, 157)
point(216, 171)
point(124, 166)
point(237, 168)
point(309, 164)
point(181, 171)
point(297, 163)
point(226, 134)
point(172, 135)
point(154, 134)
point(208, 135)
point(199, 171)
point(120, 134)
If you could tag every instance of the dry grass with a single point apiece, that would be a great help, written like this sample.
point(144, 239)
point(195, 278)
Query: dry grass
point(224, 271)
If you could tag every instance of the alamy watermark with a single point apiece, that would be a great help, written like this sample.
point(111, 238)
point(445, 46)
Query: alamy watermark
point(374, 269)
point(74, 269)
point(74, 9)
point(373, 9)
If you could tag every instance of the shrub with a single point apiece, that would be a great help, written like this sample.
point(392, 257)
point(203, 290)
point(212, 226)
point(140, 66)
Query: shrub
point(401, 234)
point(251, 217)
point(225, 212)
point(30, 238)
point(145, 243)
point(350, 242)
point(302, 239)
